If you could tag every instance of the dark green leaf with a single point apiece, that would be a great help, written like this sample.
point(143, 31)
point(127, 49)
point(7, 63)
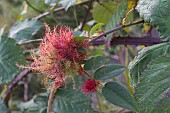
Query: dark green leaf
point(103, 12)
point(3, 108)
point(95, 62)
point(109, 71)
point(149, 73)
point(10, 54)
point(118, 95)
point(156, 12)
point(24, 30)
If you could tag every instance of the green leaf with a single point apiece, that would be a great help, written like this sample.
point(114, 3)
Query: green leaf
point(96, 27)
point(149, 73)
point(10, 55)
point(3, 108)
point(79, 38)
point(109, 71)
point(118, 95)
point(95, 62)
point(119, 14)
point(24, 30)
point(103, 12)
point(156, 12)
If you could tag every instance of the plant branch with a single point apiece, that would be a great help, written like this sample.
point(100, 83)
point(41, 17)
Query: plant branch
point(116, 29)
point(31, 41)
point(86, 15)
point(50, 100)
point(48, 13)
point(130, 41)
point(13, 84)
point(33, 7)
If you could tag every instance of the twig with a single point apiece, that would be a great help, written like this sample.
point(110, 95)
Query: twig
point(48, 13)
point(13, 84)
point(31, 41)
point(87, 74)
point(33, 7)
point(50, 100)
point(86, 15)
point(116, 29)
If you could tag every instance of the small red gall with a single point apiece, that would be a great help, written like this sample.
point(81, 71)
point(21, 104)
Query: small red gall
point(90, 85)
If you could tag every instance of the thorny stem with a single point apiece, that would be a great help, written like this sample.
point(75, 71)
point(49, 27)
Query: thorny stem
point(116, 29)
point(13, 84)
point(33, 7)
point(50, 100)
point(98, 101)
